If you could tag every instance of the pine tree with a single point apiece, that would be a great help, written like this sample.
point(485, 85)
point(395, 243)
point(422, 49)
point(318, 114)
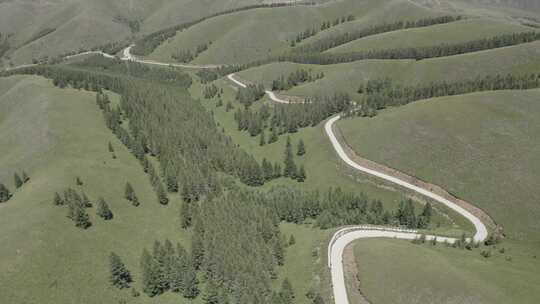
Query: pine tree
point(190, 282)
point(103, 210)
point(185, 215)
point(81, 218)
point(262, 140)
point(150, 275)
point(120, 276)
point(301, 175)
point(211, 295)
point(25, 177)
point(301, 148)
point(292, 240)
point(172, 182)
point(289, 169)
point(78, 181)
point(129, 193)
point(197, 246)
point(286, 293)
point(274, 136)
point(57, 199)
point(161, 194)
point(279, 253)
point(111, 149)
point(18, 180)
point(4, 193)
point(85, 201)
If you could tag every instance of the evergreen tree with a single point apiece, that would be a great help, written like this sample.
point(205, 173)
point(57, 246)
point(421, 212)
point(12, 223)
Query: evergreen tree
point(103, 210)
point(111, 149)
point(150, 275)
point(120, 276)
point(172, 182)
point(57, 199)
point(185, 215)
point(301, 148)
point(161, 194)
point(289, 169)
point(211, 295)
point(274, 136)
point(25, 177)
point(197, 246)
point(190, 282)
point(286, 293)
point(292, 240)
point(81, 218)
point(4, 193)
point(301, 175)
point(262, 140)
point(129, 192)
point(18, 180)
point(279, 253)
point(78, 181)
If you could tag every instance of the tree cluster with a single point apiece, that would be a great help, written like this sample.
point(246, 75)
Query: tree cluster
point(150, 42)
point(207, 75)
point(248, 95)
point(381, 93)
point(120, 275)
point(210, 91)
point(168, 268)
point(76, 204)
point(418, 53)
point(295, 78)
point(5, 194)
point(327, 43)
point(324, 26)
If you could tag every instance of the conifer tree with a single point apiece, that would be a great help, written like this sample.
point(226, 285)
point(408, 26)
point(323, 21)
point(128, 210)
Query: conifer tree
point(262, 140)
point(273, 136)
point(286, 293)
point(120, 275)
point(172, 182)
point(211, 295)
point(129, 193)
point(81, 218)
point(150, 275)
point(161, 194)
point(301, 148)
point(111, 149)
point(4, 193)
point(78, 181)
point(18, 180)
point(103, 210)
point(289, 169)
point(190, 282)
point(185, 215)
point(279, 253)
point(58, 201)
point(197, 246)
point(25, 177)
point(301, 175)
point(292, 240)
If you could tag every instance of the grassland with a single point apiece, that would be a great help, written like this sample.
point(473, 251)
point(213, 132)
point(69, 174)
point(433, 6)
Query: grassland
point(56, 135)
point(455, 32)
point(348, 77)
point(392, 271)
point(232, 35)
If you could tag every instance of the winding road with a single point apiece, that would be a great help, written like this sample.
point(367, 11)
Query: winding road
point(345, 236)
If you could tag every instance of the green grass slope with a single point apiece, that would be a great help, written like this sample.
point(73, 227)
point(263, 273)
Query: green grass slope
point(56, 135)
point(455, 32)
point(250, 35)
point(348, 77)
point(414, 274)
point(479, 146)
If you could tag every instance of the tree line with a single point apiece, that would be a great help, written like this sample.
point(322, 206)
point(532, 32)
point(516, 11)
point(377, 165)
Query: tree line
point(150, 42)
point(324, 26)
point(295, 78)
point(418, 53)
point(382, 93)
point(18, 180)
point(333, 41)
point(185, 56)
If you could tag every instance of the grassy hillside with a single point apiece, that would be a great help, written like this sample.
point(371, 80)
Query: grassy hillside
point(455, 32)
point(56, 135)
point(445, 275)
point(348, 77)
point(478, 146)
point(48, 28)
point(232, 35)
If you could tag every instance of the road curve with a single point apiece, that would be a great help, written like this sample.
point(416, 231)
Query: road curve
point(270, 94)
